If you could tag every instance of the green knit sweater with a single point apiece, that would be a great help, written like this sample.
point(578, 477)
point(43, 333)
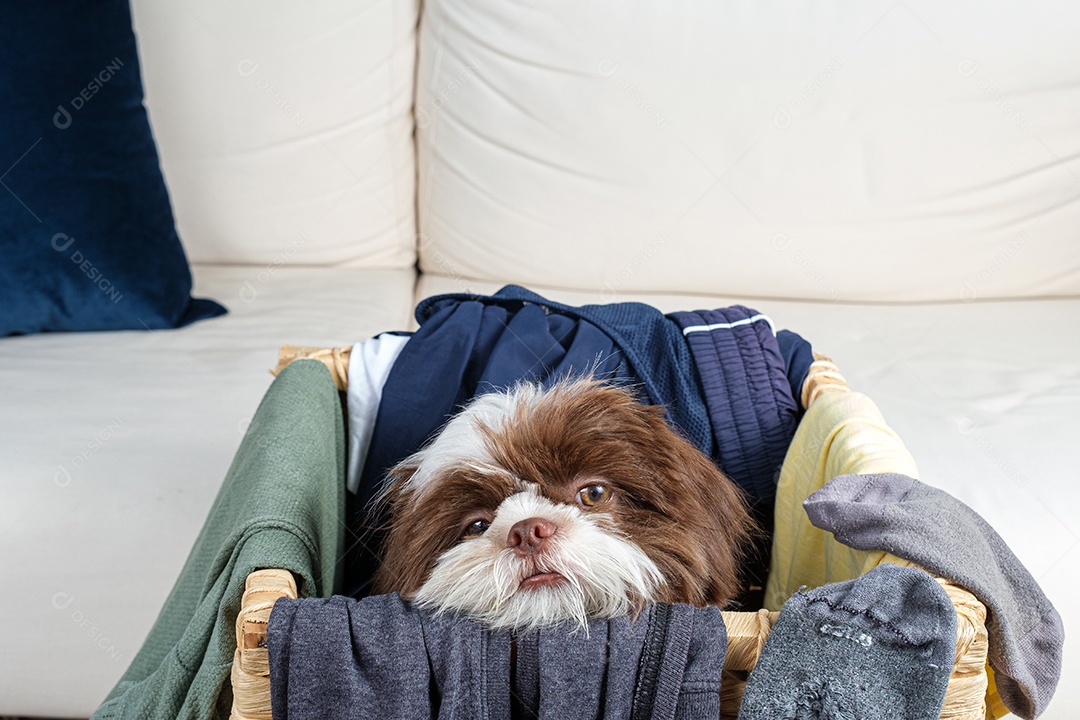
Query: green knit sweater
point(281, 506)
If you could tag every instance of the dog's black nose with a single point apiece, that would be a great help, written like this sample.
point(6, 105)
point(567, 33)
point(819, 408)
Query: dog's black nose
point(527, 536)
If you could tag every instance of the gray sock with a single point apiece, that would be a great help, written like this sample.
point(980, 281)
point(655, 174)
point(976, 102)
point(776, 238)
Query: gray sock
point(881, 646)
point(942, 535)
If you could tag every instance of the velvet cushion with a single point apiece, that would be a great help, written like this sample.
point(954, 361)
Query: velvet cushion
point(87, 232)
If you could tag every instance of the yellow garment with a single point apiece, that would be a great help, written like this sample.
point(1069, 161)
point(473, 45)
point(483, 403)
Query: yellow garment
point(842, 433)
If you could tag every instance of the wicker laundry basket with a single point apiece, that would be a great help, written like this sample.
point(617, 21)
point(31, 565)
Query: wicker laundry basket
point(747, 631)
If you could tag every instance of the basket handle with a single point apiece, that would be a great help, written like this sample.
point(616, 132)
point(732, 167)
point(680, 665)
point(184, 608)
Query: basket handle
point(747, 632)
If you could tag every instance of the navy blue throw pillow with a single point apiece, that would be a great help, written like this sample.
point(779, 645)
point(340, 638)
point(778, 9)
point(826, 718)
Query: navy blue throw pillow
point(87, 237)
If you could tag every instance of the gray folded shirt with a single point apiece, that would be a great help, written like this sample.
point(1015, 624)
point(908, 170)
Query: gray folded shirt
point(382, 658)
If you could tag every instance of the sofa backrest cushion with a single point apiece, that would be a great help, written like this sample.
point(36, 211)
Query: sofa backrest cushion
point(853, 152)
point(285, 129)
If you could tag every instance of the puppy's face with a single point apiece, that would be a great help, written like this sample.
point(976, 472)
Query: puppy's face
point(537, 506)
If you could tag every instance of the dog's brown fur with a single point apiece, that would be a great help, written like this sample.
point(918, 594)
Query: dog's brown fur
point(669, 499)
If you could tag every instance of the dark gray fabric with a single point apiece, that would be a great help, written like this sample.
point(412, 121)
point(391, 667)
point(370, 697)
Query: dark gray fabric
point(881, 646)
point(594, 675)
point(652, 656)
point(571, 670)
point(929, 527)
point(339, 658)
point(380, 657)
point(697, 646)
point(525, 699)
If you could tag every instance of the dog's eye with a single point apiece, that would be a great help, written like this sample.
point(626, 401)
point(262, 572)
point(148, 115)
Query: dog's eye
point(476, 528)
point(592, 495)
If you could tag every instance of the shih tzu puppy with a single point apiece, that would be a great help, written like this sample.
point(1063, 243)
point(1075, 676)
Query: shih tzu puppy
point(536, 506)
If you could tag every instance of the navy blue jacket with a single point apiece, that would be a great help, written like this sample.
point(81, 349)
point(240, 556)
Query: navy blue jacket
point(726, 388)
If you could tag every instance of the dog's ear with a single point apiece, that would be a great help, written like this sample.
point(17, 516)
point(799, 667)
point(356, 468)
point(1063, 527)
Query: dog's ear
point(724, 530)
point(707, 528)
point(399, 570)
point(689, 517)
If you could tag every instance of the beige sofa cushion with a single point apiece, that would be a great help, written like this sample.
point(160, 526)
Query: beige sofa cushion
point(882, 152)
point(285, 130)
point(113, 450)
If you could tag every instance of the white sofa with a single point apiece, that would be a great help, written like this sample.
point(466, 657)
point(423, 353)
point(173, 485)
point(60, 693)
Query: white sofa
point(895, 181)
